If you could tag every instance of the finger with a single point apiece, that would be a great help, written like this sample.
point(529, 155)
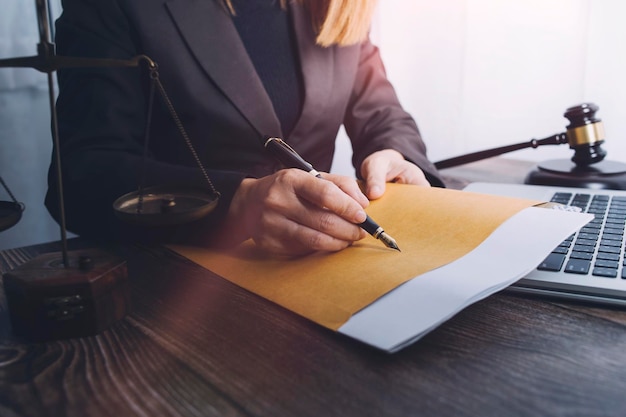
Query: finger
point(408, 173)
point(349, 186)
point(374, 171)
point(294, 238)
point(327, 195)
point(328, 223)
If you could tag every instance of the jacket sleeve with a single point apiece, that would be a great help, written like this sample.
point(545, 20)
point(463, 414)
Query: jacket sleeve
point(375, 119)
point(102, 118)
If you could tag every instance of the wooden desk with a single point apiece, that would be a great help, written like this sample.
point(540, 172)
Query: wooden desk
point(197, 345)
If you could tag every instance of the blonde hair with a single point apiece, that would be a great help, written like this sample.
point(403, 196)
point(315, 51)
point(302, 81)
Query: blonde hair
point(337, 22)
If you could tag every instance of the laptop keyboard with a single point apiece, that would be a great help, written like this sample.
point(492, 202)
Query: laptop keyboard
point(598, 248)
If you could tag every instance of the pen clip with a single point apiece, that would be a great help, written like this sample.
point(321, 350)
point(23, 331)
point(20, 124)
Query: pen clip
point(287, 155)
point(279, 142)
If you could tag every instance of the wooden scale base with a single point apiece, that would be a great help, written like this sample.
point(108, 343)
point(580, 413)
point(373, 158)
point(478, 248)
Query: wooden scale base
point(48, 301)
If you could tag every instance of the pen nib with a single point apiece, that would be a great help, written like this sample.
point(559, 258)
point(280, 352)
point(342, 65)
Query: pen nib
point(388, 241)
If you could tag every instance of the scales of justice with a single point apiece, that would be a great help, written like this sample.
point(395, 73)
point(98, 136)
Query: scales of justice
point(82, 292)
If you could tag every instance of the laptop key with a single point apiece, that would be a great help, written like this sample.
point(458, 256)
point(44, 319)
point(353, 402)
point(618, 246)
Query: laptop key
point(561, 249)
point(604, 272)
point(583, 248)
point(587, 256)
point(592, 237)
point(585, 242)
point(609, 249)
point(608, 256)
point(553, 262)
point(606, 264)
point(578, 266)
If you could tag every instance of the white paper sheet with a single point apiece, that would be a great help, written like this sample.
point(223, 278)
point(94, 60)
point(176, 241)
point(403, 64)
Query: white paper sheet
point(410, 311)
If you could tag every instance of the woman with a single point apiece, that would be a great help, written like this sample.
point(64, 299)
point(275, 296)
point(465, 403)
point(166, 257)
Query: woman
point(236, 71)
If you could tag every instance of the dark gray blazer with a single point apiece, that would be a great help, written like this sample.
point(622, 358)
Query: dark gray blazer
point(220, 99)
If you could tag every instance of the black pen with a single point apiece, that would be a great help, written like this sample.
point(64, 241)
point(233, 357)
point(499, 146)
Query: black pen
point(290, 159)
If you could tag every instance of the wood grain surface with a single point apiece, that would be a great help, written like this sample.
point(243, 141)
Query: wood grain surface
point(196, 345)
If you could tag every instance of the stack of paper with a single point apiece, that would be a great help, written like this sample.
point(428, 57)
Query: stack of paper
point(457, 248)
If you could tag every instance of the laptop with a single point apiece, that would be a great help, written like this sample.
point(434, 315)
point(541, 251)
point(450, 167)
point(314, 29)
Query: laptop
point(589, 265)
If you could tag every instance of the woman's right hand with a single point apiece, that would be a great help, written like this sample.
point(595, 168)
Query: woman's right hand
point(292, 213)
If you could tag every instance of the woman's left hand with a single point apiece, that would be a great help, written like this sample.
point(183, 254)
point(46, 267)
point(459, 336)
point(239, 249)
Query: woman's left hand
point(389, 165)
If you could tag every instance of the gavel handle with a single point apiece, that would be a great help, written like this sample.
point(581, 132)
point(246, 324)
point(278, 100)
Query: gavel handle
point(557, 139)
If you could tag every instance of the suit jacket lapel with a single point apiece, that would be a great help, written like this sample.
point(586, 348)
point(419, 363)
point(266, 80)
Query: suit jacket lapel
point(213, 39)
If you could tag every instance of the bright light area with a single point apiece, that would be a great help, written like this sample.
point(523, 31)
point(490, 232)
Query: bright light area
point(478, 74)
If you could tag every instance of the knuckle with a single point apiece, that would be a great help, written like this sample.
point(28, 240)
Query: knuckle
point(274, 199)
point(288, 176)
point(316, 241)
point(326, 222)
point(273, 202)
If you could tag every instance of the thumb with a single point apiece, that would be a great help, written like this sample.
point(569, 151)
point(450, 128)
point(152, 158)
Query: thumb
point(374, 173)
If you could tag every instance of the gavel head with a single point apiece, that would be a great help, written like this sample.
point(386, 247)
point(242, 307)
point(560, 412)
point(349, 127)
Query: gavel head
point(585, 134)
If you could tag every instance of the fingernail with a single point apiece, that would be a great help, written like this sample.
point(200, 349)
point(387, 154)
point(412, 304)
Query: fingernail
point(361, 216)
